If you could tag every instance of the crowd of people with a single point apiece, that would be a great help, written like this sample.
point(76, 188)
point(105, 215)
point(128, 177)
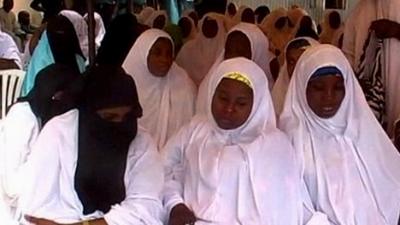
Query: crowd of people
point(232, 116)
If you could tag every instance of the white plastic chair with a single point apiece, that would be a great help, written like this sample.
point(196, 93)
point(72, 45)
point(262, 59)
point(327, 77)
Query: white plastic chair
point(11, 83)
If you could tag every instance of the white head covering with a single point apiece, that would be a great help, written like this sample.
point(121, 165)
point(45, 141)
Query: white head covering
point(237, 18)
point(168, 102)
point(281, 85)
point(100, 29)
point(81, 29)
point(145, 14)
point(198, 55)
point(267, 174)
point(193, 30)
point(259, 54)
point(150, 20)
point(351, 168)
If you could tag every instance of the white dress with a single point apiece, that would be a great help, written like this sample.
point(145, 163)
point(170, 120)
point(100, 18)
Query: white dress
point(49, 183)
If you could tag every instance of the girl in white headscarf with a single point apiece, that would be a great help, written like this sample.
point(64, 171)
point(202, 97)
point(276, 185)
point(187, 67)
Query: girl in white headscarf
point(257, 52)
point(145, 14)
point(198, 55)
point(232, 165)
point(81, 29)
point(158, 19)
point(293, 51)
point(99, 30)
point(188, 28)
point(351, 168)
point(166, 92)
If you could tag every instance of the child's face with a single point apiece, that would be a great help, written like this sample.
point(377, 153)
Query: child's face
point(160, 57)
point(237, 45)
point(325, 94)
point(292, 56)
point(232, 104)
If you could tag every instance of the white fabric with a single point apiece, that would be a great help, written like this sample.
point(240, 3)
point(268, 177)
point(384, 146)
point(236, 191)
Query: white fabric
point(81, 29)
point(167, 102)
point(193, 30)
point(355, 34)
point(150, 20)
point(49, 184)
point(8, 49)
point(145, 14)
point(351, 168)
point(20, 131)
point(248, 175)
point(198, 55)
point(100, 29)
point(259, 54)
point(279, 90)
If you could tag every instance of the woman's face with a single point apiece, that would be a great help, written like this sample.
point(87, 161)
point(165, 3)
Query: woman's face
point(231, 104)
point(237, 45)
point(114, 114)
point(325, 95)
point(292, 56)
point(160, 57)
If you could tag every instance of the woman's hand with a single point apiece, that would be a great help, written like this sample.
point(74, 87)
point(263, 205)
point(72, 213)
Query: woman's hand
point(181, 215)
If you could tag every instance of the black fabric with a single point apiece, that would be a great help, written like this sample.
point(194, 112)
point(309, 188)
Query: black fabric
point(63, 41)
point(118, 40)
point(103, 145)
point(54, 79)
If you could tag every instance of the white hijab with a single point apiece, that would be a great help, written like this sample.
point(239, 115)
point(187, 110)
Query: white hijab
point(198, 55)
point(167, 102)
point(81, 29)
point(150, 20)
point(145, 14)
point(100, 29)
point(193, 30)
point(351, 167)
point(267, 186)
point(281, 85)
point(259, 54)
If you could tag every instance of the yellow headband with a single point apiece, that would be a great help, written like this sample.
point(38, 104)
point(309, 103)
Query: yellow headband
point(239, 77)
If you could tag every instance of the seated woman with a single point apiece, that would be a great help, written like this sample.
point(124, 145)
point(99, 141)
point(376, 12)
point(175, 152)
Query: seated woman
point(92, 165)
point(165, 90)
point(351, 167)
point(294, 49)
point(51, 96)
point(243, 40)
point(232, 165)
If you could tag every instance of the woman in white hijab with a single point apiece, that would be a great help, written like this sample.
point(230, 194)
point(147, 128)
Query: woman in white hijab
point(351, 168)
point(10, 57)
point(188, 28)
point(81, 29)
point(158, 19)
point(198, 55)
point(99, 30)
point(294, 49)
point(232, 165)
point(145, 14)
point(252, 44)
point(165, 90)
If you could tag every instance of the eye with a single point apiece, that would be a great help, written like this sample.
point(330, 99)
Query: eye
point(316, 86)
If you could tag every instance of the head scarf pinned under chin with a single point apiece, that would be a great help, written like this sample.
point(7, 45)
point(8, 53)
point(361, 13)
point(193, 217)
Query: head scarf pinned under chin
point(349, 151)
point(103, 145)
point(52, 79)
point(262, 116)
